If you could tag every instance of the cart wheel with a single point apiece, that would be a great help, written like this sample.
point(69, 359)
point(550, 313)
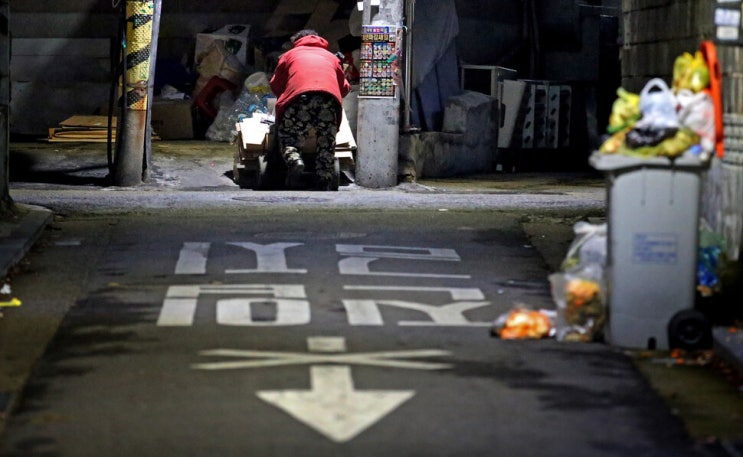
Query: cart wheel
point(238, 172)
point(689, 330)
point(261, 179)
point(336, 182)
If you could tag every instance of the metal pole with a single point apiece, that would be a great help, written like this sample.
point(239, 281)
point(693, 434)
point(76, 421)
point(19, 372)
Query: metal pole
point(128, 163)
point(410, 18)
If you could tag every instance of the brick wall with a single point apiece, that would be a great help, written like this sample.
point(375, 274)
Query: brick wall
point(658, 31)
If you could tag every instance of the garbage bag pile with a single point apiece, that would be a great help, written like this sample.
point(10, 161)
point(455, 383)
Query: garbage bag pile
point(664, 121)
point(578, 291)
point(253, 97)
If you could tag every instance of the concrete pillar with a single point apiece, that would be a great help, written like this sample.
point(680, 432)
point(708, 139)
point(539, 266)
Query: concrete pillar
point(131, 143)
point(378, 123)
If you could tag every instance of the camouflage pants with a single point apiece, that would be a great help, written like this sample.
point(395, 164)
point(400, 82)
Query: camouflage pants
point(318, 111)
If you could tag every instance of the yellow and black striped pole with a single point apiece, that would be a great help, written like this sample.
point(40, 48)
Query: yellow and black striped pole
point(139, 38)
point(128, 163)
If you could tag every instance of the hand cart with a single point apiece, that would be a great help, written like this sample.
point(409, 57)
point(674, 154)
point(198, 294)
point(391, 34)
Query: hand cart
point(258, 162)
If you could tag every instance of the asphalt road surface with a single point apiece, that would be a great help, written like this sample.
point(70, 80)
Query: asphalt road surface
point(314, 332)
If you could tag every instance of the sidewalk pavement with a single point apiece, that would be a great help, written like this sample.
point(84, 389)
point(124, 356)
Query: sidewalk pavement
point(18, 235)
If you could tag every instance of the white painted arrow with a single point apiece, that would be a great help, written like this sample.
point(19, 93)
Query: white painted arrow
point(332, 406)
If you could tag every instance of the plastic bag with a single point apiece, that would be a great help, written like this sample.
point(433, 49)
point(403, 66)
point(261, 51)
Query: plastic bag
point(697, 112)
point(579, 296)
point(523, 323)
point(658, 106)
point(710, 260)
point(588, 247)
point(625, 111)
point(220, 129)
point(223, 128)
point(614, 143)
point(578, 291)
point(690, 72)
point(257, 83)
point(684, 140)
point(641, 137)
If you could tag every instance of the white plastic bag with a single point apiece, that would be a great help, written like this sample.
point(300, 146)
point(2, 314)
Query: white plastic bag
point(697, 112)
point(588, 247)
point(658, 106)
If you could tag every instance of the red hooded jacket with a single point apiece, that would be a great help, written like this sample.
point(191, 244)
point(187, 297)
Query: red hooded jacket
point(308, 67)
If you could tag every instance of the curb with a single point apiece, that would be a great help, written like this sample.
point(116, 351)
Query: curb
point(18, 236)
point(729, 345)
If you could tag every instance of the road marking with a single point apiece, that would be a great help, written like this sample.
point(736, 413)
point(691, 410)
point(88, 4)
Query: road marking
point(179, 305)
point(360, 256)
point(332, 406)
point(192, 259)
point(276, 358)
point(367, 312)
point(270, 258)
point(326, 344)
point(457, 293)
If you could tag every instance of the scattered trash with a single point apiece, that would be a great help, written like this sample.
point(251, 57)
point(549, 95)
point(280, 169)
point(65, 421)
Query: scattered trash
point(710, 260)
point(13, 302)
point(523, 323)
point(6, 300)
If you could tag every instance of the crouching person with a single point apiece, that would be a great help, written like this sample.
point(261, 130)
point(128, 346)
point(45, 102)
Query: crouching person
point(310, 84)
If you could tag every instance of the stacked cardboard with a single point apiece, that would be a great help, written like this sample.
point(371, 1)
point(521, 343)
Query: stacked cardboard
point(85, 129)
point(89, 129)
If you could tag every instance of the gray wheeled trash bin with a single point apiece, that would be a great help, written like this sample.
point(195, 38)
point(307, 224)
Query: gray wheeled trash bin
point(653, 216)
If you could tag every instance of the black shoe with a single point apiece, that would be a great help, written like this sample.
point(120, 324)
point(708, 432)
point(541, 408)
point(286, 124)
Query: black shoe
point(294, 174)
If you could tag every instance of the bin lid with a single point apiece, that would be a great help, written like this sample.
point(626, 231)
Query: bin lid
point(620, 162)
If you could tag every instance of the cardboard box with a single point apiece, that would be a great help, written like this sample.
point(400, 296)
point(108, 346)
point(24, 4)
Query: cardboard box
point(171, 119)
point(235, 37)
point(255, 135)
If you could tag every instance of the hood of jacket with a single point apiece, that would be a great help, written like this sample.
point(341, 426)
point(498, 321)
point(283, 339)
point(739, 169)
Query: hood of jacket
point(312, 40)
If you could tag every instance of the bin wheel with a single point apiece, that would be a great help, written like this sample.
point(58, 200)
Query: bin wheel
point(689, 330)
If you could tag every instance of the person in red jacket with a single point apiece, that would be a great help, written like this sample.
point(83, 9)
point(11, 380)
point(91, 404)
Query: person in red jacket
point(310, 84)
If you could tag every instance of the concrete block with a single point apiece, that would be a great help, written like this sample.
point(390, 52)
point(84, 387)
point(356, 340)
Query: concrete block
point(440, 155)
point(465, 109)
